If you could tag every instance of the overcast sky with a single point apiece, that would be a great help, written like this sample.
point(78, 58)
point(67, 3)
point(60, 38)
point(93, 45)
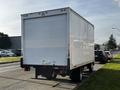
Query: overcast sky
point(104, 14)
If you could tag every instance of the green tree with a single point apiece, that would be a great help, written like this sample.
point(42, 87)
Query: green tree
point(111, 43)
point(5, 41)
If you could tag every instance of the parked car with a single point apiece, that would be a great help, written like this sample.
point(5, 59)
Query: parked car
point(5, 53)
point(101, 56)
point(109, 55)
point(17, 52)
point(2, 54)
point(9, 53)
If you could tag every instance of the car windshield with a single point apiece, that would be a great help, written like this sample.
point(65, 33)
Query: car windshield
point(98, 53)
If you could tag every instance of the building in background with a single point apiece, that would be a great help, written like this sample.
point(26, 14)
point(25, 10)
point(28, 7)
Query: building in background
point(16, 42)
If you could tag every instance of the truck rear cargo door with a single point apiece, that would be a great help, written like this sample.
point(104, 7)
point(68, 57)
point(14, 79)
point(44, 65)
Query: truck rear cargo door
point(45, 40)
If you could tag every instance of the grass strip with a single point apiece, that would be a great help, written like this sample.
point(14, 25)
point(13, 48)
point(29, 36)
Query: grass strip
point(117, 56)
point(107, 78)
point(9, 59)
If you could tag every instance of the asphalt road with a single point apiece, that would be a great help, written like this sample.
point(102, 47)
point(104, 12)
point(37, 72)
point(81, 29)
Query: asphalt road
point(12, 77)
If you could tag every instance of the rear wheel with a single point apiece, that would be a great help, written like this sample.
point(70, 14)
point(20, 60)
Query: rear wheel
point(26, 68)
point(76, 75)
point(52, 75)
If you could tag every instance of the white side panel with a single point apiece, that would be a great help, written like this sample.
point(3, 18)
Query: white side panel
point(81, 41)
point(45, 40)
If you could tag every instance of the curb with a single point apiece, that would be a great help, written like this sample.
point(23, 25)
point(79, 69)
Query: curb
point(8, 62)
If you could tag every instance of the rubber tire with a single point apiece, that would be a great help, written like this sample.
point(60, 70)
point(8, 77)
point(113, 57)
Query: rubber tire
point(76, 75)
point(51, 76)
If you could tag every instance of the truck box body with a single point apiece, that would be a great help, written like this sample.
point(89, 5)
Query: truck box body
point(59, 37)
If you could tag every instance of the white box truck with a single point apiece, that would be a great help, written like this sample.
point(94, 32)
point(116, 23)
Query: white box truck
point(58, 41)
